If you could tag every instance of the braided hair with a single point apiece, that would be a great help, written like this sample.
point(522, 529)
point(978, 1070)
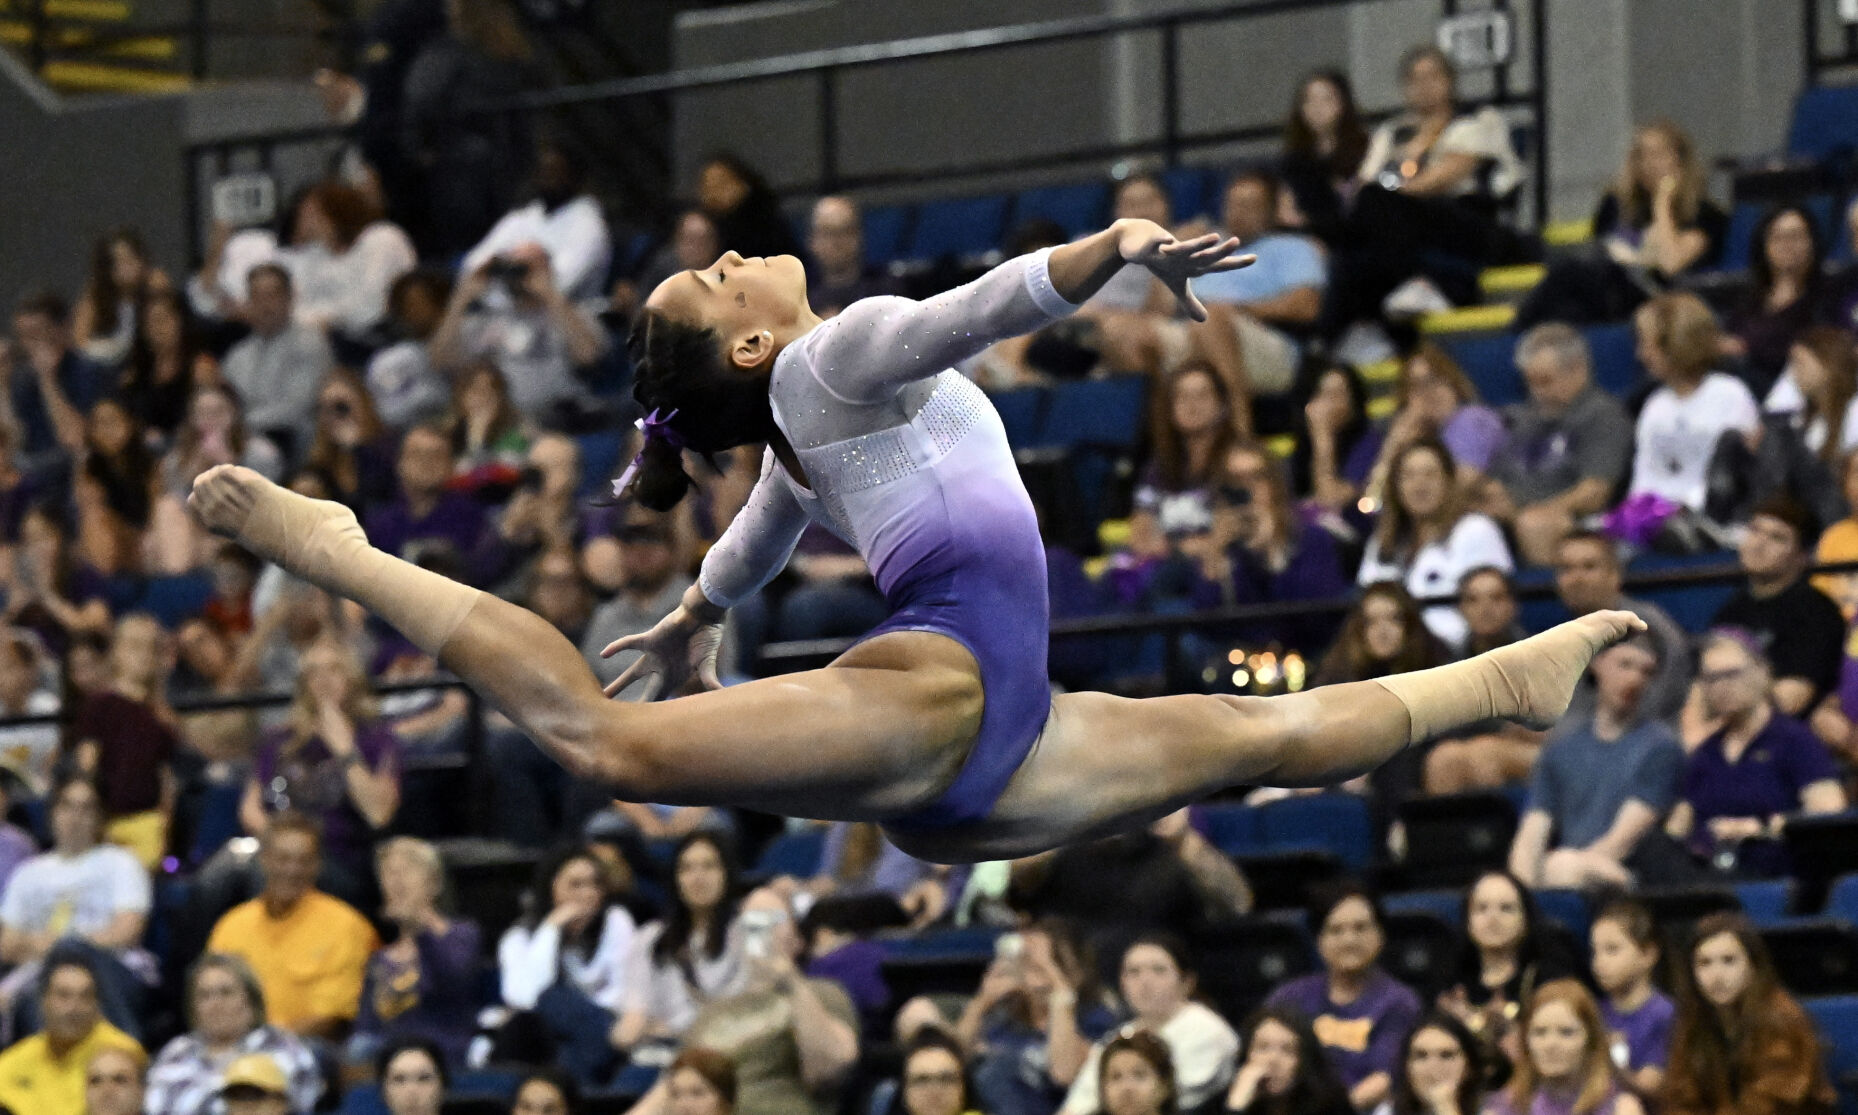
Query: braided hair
point(710, 406)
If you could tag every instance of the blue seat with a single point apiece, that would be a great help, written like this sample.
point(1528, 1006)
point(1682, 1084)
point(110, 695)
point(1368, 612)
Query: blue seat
point(1737, 242)
point(1099, 413)
point(173, 599)
point(884, 229)
point(600, 460)
point(1233, 829)
point(634, 1080)
point(363, 1099)
point(219, 820)
point(794, 853)
point(1836, 1019)
point(1825, 122)
point(1842, 900)
point(1490, 360)
point(1022, 412)
point(1335, 822)
point(958, 226)
point(1615, 357)
point(1446, 905)
point(1567, 907)
point(1766, 902)
point(1191, 192)
point(941, 944)
point(1077, 207)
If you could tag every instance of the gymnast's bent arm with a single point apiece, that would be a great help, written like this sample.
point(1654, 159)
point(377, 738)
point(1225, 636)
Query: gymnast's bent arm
point(877, 345)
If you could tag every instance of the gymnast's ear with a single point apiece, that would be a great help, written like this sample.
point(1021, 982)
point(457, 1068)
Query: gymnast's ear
point(752, 351)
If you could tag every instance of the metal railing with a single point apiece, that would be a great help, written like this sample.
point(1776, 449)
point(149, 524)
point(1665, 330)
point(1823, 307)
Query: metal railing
point(1826, 53)
point(827, 67)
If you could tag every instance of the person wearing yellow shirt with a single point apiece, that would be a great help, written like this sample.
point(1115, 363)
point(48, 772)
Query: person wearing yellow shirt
point(309, 950)
point(45, 1073)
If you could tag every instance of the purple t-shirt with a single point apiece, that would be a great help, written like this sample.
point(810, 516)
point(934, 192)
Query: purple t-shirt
point(1782, 760)
point(1362, 1037)
point(310, 779)
point(455, 520)
point(1647, 1031)
point(1545, 1102)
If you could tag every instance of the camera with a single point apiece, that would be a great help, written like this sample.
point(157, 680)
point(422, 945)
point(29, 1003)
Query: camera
point(509, 272)
point(758, 931)
point(529, 479)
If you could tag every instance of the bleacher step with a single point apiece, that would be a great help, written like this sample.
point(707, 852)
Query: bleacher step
point(98, 77)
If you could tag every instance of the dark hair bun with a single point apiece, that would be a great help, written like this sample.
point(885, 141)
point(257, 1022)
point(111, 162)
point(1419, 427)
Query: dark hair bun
point(662, 481)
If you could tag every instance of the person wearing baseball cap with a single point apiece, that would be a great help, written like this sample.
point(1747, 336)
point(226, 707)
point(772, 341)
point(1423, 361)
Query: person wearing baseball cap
point(255, 1085)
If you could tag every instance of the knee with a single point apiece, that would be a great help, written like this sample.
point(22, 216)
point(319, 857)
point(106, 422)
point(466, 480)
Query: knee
point(1445, 768)
point(1562, 869)
point(1539, 529)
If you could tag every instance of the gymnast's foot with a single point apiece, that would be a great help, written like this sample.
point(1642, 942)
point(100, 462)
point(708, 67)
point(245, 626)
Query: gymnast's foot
point(308, 537)
point(1534, 678)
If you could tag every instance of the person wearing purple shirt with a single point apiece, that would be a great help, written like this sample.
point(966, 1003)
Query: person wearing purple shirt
point(1361, 1014)
point(425, 983)
point(426, 513)
point(1639, 1016)
point(1757, 767)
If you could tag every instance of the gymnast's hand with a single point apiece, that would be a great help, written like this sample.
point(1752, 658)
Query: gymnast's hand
point(681, 646)
point(1174, 261)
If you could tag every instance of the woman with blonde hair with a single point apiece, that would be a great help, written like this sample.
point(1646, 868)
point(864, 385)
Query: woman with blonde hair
point(1433, 397)
point(1694, 405)
point(1567, 1065)
point(1653, 226)
point(332, 759)
point(423, 983)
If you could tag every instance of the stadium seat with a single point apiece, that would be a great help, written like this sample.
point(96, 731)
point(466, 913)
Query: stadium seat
point(1336, 822)
point(1842, 899)
point(885, 227)
point(1076, 207)
point(1615, 357)
point(1233, 829)
point(793, 853)
point(1421, 950)
point(1247, 958)
point(1446, 905)
point(1674, 908)
point(967, 943)
point(1452, 839)
point(957, 227)
point(1566, 907)
point(1815, 956)
point(1022, 412)
point(1766, 902)
point(1099, 413)
point(1825, 123)
point(1490, 360)
point(174, 599)
point(1191, 192)
point(1283, 880)
point(1821, 849)
point(1736, 247)
point(1836, 1019)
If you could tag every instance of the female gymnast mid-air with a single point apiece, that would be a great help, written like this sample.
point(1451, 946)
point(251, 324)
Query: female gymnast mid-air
point(939, 725)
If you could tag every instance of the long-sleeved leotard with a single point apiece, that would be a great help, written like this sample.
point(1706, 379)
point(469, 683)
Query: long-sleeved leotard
point(908, 462)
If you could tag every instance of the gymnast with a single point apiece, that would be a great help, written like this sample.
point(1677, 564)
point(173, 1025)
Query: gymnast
point(940, 724)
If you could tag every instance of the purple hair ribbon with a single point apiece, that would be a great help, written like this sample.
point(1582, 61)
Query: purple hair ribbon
point(656, 428)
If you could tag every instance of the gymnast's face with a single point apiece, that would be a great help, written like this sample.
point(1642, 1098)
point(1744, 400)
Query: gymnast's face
point(746, 301)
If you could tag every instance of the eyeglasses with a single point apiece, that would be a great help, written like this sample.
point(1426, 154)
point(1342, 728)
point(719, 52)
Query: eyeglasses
point(1709, 677)
point(933, 1080)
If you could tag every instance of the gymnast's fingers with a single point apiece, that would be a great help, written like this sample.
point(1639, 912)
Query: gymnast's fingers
point(1190, 302)
point(706, 673)
point(1233, 263)
point(630, 642)
point(654, 685)
point(629, 675)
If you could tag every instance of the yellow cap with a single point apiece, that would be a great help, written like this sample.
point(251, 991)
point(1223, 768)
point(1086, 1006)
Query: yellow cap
point(257, 1071)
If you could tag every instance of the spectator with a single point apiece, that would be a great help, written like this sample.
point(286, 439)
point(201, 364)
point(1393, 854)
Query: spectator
point(54, 594)
point(345, 258)
point(16, 844)
point(82, 899)
point(45, 1074)
point(651, 586)
point(406, 388)
point(1334, 452)
point(1138, 1076)
point(1441, 1070)
point(1429, 186)
point(1568, 446)
point(702, 1082)
point(544, 515)
point(470, 162)
point(276, 370)
point(1786, 262)
point(1742, 1043)
point(835, 241)
point(564, 220)
point(858, 861)
point(104, 321)
point(1031, 1024)
point(1799, 627)
point(113, 490)
point(747, 214)
point(488, 434)
point(255, 1085)
point(309, 951)
point(214, 433)
point(424, 984)
point(115, 1083)
point(1582, 832)
point(693, 246)
point(563, 967)
point(1433, 397)
point(1639, 1016)
point(1360, 1013)
point(934, 1077)
point(1487, 603)
point(27, 751)
point(18, 491)
point(50, 385)
point(225, 1013)
point(124, 738)
point(546, 1092)
point(1693, 407)
point(1383, 634)
point(352, 453)
point(1654, 225)
point(1841, 290)
point(1193, 427)
point(1158, 985)
point(1284, 1072)
point(1567, 1064)
point(1324, 143)
point(1588, 579)
point(426, 516)
point(1817, 393)
point(412, 1076)
point(1758, 766)
point(332, 761)
point(792, 1058)
point(1426, 538)
point(1143, 196)
point(1504, 958)
point(690, 956)
point(166, 364)
point(537, 337)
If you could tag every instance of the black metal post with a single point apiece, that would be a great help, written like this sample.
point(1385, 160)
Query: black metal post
point(1538, 61)
point(39, 43)
point(1811, 8)
point(1171, 92)
point(198, 37)
point(828, 130)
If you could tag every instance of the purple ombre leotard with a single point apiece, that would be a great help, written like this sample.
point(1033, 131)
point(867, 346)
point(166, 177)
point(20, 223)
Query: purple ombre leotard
point(909, 463)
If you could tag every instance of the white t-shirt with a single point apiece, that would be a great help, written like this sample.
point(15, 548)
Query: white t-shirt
point(1786, 398)
point(76, 894)
point(529, 961)
point(1205, 1052)
point(1677, 436)
point(1475, 541)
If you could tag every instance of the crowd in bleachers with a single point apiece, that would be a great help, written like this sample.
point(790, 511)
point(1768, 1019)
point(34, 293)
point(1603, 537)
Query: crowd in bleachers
point(212, 908)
